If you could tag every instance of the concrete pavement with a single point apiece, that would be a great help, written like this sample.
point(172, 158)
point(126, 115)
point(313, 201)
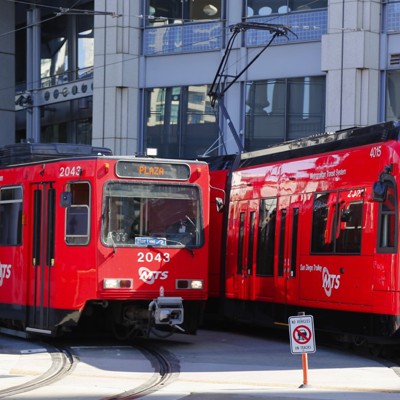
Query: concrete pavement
point(216, 365)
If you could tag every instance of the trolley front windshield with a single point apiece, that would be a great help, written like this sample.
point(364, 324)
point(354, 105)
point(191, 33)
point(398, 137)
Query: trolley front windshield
point(151, 214)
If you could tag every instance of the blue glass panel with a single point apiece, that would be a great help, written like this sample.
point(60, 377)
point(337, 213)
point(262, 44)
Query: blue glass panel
point(183, 38)
point(308, 26)
point(393, 17)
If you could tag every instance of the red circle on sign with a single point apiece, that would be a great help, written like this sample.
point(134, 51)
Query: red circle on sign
point(302, 334)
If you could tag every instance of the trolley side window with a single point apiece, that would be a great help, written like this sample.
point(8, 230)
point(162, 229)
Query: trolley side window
point(337, 222)
point(295, 231)
point(77, 214)
point(266, 237)
point(349, 221)
point(251, 243)
point(240, 252)
point(10, 216)
point(282, 236)
point(324, 210)
point(387, 228)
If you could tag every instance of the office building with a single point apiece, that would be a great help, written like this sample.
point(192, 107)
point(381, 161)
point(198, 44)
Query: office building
point(136, 74)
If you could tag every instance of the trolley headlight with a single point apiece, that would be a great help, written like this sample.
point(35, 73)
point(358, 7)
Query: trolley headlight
point(195, 284)
point(114, 283)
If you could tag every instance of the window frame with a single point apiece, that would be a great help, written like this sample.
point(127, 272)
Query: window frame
point(388, 179)
point(171, 121)
point(274, 105)
point(78, 239)
point(265, 264)
point(117, 230)
point(283, 9)
point(19, 216)
point(332, 220)
point(184, 13)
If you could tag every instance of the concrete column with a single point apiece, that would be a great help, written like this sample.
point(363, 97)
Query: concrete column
point(7, 73)
point(350, 57)
point(238, 60)
point(116, 119)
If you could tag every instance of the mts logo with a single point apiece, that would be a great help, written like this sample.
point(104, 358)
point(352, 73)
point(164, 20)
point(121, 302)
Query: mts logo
point(329, 281)
point(149, 277)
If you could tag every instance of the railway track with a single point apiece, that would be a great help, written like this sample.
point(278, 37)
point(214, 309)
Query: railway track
point(166, 370)
point(62, 362)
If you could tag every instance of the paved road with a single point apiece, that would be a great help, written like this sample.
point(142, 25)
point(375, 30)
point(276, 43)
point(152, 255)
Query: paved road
point(219, 366)
point(215, 365)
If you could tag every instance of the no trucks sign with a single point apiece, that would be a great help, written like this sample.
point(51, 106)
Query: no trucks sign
point(301, 332)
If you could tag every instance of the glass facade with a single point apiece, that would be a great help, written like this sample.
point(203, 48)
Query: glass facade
point(66, 55)
point(66, 48)
point(304, 27)
point(173, 26)
point(283, 109)
point(393, 16)
point(183, 38)
point(268, 7)
point(180, 121)
point(179, 12)
point(393, 95)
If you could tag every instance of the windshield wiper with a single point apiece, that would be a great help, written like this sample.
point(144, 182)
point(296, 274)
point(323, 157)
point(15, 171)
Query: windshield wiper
point(191, 221)
point(112, 242)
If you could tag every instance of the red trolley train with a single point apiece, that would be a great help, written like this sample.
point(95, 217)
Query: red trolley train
point(312, 225)
point(89, 240)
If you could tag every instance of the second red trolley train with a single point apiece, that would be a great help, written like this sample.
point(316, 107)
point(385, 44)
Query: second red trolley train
point(311, 226)
point(89, 241)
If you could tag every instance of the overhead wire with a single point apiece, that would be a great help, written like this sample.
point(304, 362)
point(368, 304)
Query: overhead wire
point(35, 23)
point(62, 10)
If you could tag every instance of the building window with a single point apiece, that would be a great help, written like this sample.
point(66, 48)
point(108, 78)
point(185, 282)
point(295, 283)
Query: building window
point(67, 57)
point(392, 16)
point(171, 29)
point(77, 129)
point(307, 20)
point(268, 7)
point(66, 46)
point(180, 121)
point(178, 11)
point(393, 95)
point(66, 50)
point(283, 109)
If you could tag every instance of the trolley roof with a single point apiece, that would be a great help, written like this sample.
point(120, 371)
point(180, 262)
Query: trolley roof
point(32, 153)
point(322, 143)
point(22, 153)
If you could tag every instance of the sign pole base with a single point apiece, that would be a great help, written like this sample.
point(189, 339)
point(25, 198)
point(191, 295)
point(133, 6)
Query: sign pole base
point(304, 362)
